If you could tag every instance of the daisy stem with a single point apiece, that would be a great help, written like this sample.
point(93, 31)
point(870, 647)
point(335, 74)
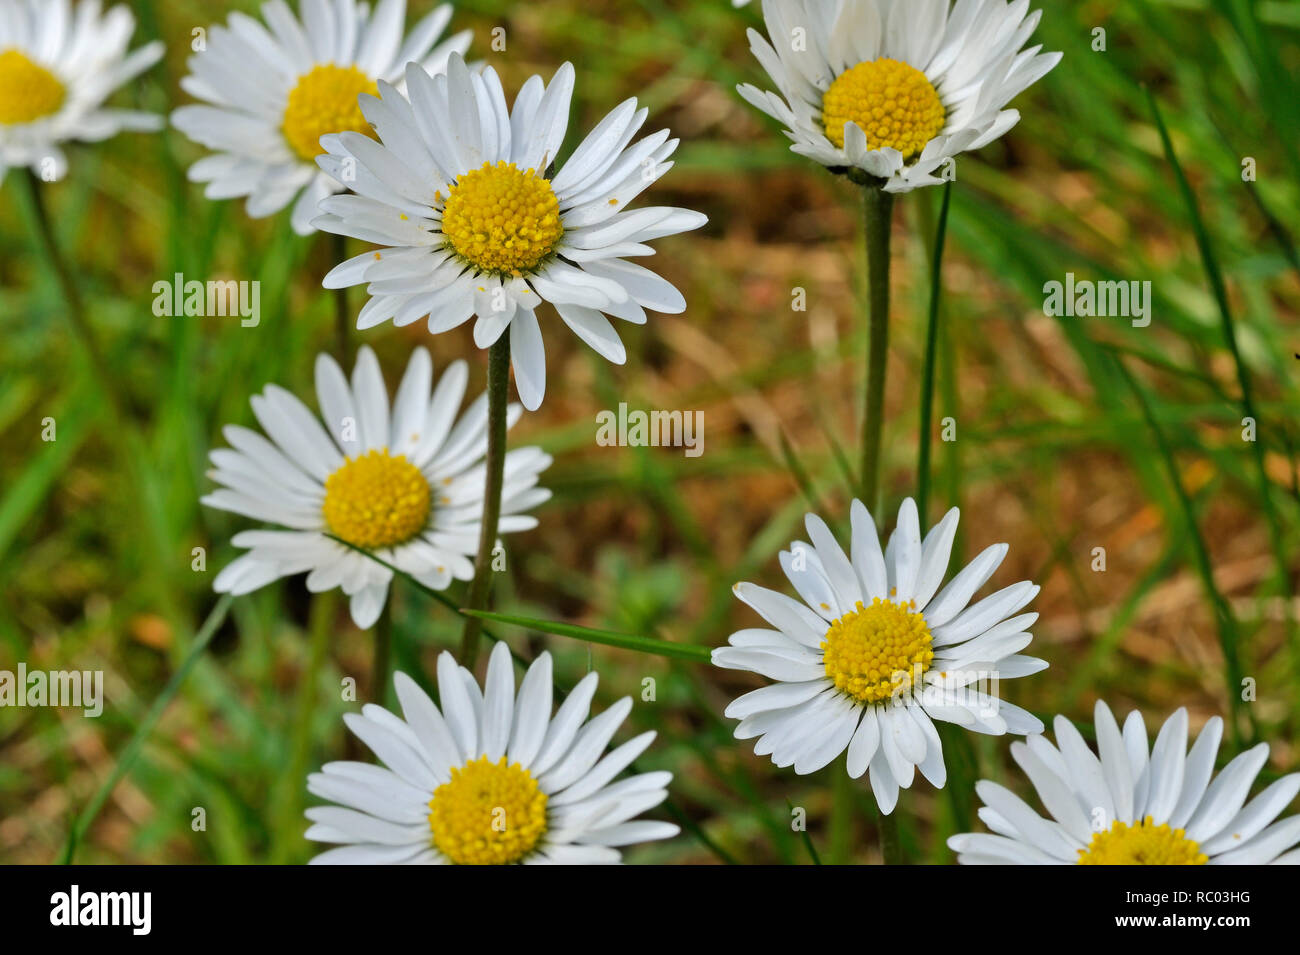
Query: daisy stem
point(383, 651)
point(931, 355)
point(877, 220)
point(841, 822)
point(498, 398)
point(342, 314)
point(890, 845)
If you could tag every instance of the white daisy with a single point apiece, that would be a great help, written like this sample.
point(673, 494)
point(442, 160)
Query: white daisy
point(489, 779)
point(894, 89)
point(1131, 806)
point(457, 188)
point(404, 483)
point(876, 651)
point(57, 66)
point(274, 90)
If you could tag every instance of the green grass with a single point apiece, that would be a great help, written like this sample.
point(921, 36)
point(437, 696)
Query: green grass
point(1072, 434)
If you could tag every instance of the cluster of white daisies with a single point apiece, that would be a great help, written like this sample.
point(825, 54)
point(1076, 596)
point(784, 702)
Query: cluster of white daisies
point(388, 136)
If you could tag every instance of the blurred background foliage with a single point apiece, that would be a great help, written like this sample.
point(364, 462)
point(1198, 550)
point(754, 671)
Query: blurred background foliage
point(1072, 434)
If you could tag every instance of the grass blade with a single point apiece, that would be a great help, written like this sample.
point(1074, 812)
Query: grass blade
point(624, 641)
point(132, 749)
point(1229, 635)
point(807, 840)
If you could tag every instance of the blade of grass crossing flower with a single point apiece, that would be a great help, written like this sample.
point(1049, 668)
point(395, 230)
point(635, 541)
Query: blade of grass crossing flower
point(624, 641)
point(439, 596)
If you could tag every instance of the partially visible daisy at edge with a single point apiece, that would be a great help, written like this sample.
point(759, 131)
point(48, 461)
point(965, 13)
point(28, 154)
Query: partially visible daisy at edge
point(404, 482)
point(874, 652)
point(460, 190)
point(895, 89)
point(271, 91)
point(1134, 804)
point(58, 64)
point(488, 778)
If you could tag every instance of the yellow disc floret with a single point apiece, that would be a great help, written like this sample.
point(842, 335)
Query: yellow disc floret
point(28, 91)
point(1142, 844)
point(872, 653)
point(502, 220)
point(489, 814)
point(892, 102)
point(376, 500)
point(324, 102)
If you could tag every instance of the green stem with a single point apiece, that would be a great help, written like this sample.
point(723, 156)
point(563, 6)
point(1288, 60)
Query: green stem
point(890, 845)
point(878, 215)
point(342, 314)
point(498, 395)
point(931, 356)
point(877, 219)
point(383, 651)
point(841, 828)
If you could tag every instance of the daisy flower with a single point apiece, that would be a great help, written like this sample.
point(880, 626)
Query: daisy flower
point(1130, 805)
point(490, 778)
point(271, 92)
point(57, 66)
point(875, 652)
point(405, 483)
point(460, 188)
point(895, 89)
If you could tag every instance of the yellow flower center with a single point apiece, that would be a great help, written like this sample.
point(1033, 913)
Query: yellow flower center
point(376, 500)
point(1142, 844)
point(873, 652)
point(28, 91)
point(489, 814)
point(501, 220)
point(324, 102)
point(892, 102)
